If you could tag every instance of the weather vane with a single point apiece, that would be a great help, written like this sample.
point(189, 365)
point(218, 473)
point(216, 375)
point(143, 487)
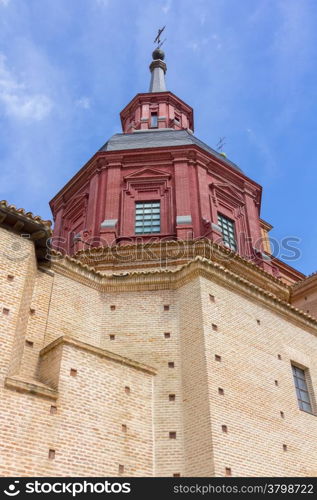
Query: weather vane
point(220, 144)
point(158, 38)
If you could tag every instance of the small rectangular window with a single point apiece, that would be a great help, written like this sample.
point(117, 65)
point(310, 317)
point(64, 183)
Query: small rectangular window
point(154, 120)
point(228, 232)
point(301, 388)
point(147, 217)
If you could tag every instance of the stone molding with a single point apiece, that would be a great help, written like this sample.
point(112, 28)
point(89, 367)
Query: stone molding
point(163, 279)
point(33, 387)
point(77, 344)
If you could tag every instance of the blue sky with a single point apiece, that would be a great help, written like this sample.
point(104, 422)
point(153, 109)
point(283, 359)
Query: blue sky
point(248, 68)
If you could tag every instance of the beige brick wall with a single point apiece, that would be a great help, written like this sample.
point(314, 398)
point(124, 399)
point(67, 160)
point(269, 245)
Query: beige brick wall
point(86, 432)
point(75, 310)
point(37, 323)
point(139, 323)
point(198, 452)
point(252, 403)
point(306, 300)
point(17, 262)
point(50, 367)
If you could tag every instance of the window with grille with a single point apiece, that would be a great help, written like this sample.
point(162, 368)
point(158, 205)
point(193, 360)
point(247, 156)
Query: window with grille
point(302, 391)
point(228, 232)
point(147, 217)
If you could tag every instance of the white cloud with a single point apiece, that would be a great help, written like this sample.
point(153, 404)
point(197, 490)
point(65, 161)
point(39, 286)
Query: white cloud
point(19, 101)
point(83, 102)
point(27, 107)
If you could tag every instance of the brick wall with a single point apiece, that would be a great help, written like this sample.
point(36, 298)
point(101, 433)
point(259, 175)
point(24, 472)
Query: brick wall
point(305, 296)
point(145, 326)
point(95, 425)
point(250, 340)
point(84, 427)
point(196, 411)
point(223, 360)
point(18, 271)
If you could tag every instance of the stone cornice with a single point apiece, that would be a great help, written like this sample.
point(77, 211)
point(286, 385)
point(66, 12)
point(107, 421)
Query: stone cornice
point(265, 225)
point(153, 96)
point(77, 344)
point(174, 279)
point(287, 271)
point(213, 163)
point(306, 285)
point(176, 253)
point(34, 387)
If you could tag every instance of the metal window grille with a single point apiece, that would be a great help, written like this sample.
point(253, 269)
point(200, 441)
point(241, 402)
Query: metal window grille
point(302, 392)
point(228, 232)
point(147, 217)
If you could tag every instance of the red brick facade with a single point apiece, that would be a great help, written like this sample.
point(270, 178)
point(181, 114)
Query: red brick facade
point(193, 185)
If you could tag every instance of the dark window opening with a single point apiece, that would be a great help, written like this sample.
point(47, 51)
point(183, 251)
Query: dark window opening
point(228, 232)
point(302, 391)
point(154, 120)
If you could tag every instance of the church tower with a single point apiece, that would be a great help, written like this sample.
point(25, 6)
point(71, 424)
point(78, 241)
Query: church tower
point(157, 181)
point(153, 333)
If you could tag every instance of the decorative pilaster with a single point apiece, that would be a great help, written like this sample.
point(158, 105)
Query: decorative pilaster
point(109, 226)
point(184, 224)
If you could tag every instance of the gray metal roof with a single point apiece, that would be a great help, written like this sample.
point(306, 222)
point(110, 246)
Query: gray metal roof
point(160, 138)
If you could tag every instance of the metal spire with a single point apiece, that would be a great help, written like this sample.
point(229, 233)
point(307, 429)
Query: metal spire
point(158, 66)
